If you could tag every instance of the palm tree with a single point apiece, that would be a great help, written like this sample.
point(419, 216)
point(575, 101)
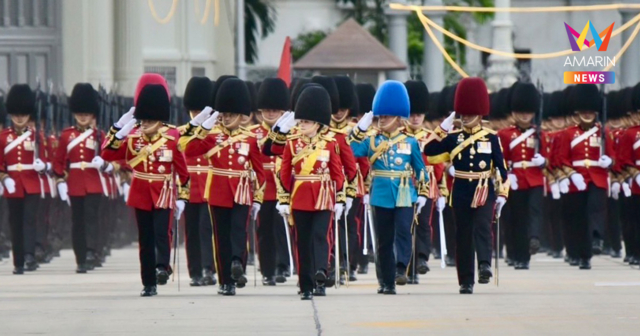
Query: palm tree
point(259, 22)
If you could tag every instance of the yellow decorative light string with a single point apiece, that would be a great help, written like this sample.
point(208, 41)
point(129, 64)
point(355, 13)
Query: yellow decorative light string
point(397, 6)
point(625, 46)
point(441, 48)
point(167, 18)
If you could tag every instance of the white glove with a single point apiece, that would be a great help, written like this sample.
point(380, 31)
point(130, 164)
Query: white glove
point(180, 204)
point(211, 121)
point(513, 179)
point(39, 166)
point(280, 120)
point(447, 124)
point(10, 185)
point(615, 190)
point(288, 123)
point(440, 203)
point(420, 204)
point(365, 199)
point(125, 191)
point(365, 122)
point(626, 189)
point(605, 162)
point(126, 118)
point(538, 160)
point(500, 202)
point(201, 117)
point(338, 209)
point(578, 181)
point(452, 171)
point(564, 185)
point(1, 189)
point(126, 129)
point(637, 179)
point(555, 191)
point(255, 208)
point(49, 167)
point(349, 203)
point(108, 169)
point(97, 162)
point(63, 191)
point(283, 209)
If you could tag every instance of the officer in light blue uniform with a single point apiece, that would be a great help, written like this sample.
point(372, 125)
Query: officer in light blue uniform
point(399, 180)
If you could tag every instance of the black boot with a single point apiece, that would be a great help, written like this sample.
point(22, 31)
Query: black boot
point(597, 246)
point(319, 290)
point(90, 261)
point(82, 269)
point(280, 276)
point(484, 273)
point(237, 274)
point(268, 281)
point(207, 278)
point(30, 263)
point(363, 269)
point(389, 290)
point(196, 281)
point(18, 270)
point(585, 264)
point(162, 276)
point(306, 295)
point(229, 290)
point(450, 261)
point(149, 291)
point(534, 246)
point(423, 267)
point(413, 280)
point(401, 277)
point(466, 289)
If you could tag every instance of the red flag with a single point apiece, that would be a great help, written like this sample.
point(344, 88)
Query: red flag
point(284, 72)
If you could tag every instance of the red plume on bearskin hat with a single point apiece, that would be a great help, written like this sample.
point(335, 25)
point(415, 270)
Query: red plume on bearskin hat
point(150, 78)
point(471, 97)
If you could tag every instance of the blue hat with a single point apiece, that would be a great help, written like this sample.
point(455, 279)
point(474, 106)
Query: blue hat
point(391, 99)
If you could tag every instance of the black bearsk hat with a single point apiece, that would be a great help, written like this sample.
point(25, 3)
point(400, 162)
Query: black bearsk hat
point(233, 96)
point(525, 98)
point(21, 100)
point(84, 99)
point(365, 93)
point(314, 104)
point(418, 96)
point(197, 94)
point(273, 95)
point(153, 103)
point(586, 97)
point(345, 91)
point(330, 85)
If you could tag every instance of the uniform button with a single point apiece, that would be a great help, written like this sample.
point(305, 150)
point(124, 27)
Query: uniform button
point(82, 156)
point(230, 156)
point(471, 156)
point(81, 145)
point(230, 163)
point(471, 164)
point(198, 165)
point(198, 160)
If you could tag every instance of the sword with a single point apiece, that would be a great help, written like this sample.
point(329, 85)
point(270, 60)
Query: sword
point(346, 235)
point(497, 220)
point(365, 248)
point(176, 255)
point(443, 240)
point(255, 254)
point(336, 252)
point(286, 231)
point(373, 233)
point(413, 243)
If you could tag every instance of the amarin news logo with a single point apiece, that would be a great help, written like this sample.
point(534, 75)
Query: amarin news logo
point(579, 42)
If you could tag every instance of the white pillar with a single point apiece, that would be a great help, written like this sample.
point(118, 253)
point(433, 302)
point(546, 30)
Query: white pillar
point(398, 40)
point(629, 67)
point(241, 66)
point(129, 64)
point(502, 71)
point(100, 42)
point(433, 60)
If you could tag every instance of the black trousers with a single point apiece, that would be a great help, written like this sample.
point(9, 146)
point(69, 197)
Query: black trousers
point(526, 220)
point(506, 227)
point(352, 228)
point(613, 230)
point(363, 260)
point(280, 240)
point(22, 218)
point(230, 232)
point(312, 238)
point(422, 234)
point(586, 213)
point(43, 222)
point(470, 223)
point(393, 225)
point(150, 223)
point(198, 238)
point(633, 230)
point(553, 221)
point(450, 229)
point(270, 225)
point(85, 215)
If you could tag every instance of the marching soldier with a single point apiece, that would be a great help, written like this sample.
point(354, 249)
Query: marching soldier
point(396, 162)
point(198, 226)
point(78, 169)
point(160, 181)
point(585, 163)
point(233, 154)
point(312, 179)
point(419, 102)
point(20, 170)
point(523, 151)
point(272, 101)
point(476, 154)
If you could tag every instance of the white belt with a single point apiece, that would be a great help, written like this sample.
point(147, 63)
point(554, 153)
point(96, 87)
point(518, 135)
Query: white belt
point(20, 167)
point(81, 165)
point(522, 164)
point(585, 163)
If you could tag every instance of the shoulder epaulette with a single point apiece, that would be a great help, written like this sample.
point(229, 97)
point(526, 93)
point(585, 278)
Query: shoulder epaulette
point(293, 136)
point(248, 133)
point(252, 127)
point(170, 126)
point(455, 131)
point(165, 135)
point(490, 131)
point(328, 138)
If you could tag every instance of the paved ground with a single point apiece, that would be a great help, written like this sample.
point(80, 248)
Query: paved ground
point(550, 299)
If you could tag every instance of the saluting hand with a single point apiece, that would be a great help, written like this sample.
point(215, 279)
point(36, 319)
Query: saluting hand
point(365, 122)
point(447, 124)
point(125, 118)
point(126, 129)
point(201, 117)
point(211, 121)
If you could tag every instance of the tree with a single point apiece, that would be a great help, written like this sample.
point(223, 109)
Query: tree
point(259, 22)
point(305, 42)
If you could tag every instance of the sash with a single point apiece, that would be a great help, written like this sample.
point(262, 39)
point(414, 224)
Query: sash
point(213, 151)
point(13, 144)
point(308, 165)
point(636, 144)
point(521, 138)
point(468, 142)
point(144, 152)
point(307, 151)
point(79, 139)
point(583, 136)
point(383, 147)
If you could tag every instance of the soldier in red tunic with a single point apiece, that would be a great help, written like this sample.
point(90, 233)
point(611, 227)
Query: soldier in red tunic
point(198, 221)
point(585, 162)
point(20, 172)
point(523, 147)
point(233, 156)
point(78, 168)
point(160, 181)
point(272, 102)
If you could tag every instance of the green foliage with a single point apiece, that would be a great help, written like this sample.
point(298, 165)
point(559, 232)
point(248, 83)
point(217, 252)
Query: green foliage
point(305, 42)
point(259, 22)
point(370, 16)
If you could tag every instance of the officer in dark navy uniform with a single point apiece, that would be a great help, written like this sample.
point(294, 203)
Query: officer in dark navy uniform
point(476, 154)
